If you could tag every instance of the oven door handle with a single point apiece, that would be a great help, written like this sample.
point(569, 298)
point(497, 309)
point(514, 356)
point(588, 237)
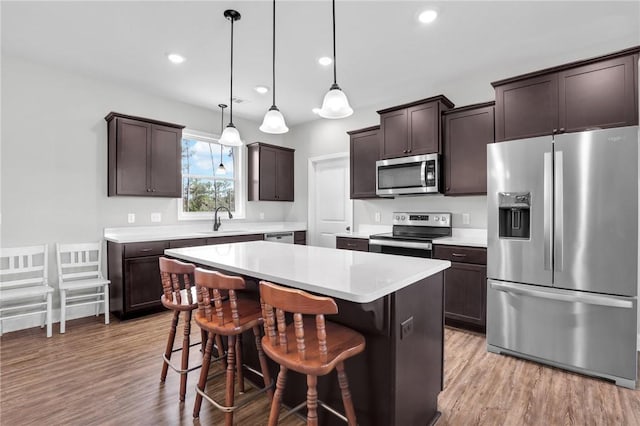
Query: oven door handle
point(401, 244)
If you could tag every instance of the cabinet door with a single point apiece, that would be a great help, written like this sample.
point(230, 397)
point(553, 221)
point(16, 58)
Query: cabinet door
point(165, 168)
point(598, 95)
point(423, 129)
point(395, 137)
point(364, 152)
point(466, 135)
point(267, 175)
point(357, 244)
point(133, 141)
point(465, 295)
point(284, 175)
point(527, 108)
point(144, 287)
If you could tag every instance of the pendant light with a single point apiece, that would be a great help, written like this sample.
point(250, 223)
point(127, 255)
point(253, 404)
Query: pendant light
point(335, 103)
point(230, 136)
point(221, 170)
point(273, 120)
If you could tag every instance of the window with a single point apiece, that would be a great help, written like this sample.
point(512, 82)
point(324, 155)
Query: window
point(203, 187)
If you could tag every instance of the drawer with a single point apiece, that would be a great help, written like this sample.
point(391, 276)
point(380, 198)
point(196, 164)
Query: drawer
point(235, 239)
point(346, 243)
point(190, 242)
point(460, 254)
point(150, 248)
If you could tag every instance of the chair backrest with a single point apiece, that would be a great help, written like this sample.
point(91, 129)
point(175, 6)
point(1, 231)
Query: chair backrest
point(79, 261)
point(281, 300)
point(23, 266)
point(209, 284)
point(176, 276)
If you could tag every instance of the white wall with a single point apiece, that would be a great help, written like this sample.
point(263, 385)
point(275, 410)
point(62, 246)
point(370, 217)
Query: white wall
point(53, 172)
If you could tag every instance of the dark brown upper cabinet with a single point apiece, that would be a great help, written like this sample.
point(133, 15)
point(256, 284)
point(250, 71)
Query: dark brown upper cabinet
point(144, 157)
point(467, 131)
point(270, 172)
point(413, 128)
point(364, 151)
point(596, 93)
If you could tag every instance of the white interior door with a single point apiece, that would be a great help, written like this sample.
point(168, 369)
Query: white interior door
point(330, 208)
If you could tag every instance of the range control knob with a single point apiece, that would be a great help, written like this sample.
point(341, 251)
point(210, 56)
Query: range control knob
point(397, 217)
point(402, 217)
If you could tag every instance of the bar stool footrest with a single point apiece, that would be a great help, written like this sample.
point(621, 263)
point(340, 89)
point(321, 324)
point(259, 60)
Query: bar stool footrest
point(243, 401)
point(195, 367)
point(320, 403)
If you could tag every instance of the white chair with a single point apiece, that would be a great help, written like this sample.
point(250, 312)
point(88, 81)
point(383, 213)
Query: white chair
point(80, 278)
point(24, 289)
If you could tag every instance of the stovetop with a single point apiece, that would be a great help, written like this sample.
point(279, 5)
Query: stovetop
point(417, 226)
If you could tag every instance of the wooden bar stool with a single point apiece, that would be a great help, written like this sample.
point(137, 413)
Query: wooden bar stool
point(179, 295)
point(229, 318)
point(319, 347)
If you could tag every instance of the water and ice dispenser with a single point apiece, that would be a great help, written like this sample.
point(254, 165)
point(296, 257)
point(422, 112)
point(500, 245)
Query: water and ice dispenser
point(514, 214)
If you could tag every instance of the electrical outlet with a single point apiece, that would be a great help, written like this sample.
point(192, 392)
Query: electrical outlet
point(376, 217)
point(465, 218)
point(406, 328)
point(131, 218)
point(261, 215)
point(156, 217)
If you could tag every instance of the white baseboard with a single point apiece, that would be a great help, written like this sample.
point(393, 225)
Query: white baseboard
point(36, 320)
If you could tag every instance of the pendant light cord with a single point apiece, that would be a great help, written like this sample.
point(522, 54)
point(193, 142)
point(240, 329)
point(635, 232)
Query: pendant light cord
point(231, 88)
point(273, 62)
point(334, 41)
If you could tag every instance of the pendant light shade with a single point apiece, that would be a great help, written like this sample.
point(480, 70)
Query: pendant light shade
point(221, 169)
point(274, 120)
point(230, 136)
point(335, 103)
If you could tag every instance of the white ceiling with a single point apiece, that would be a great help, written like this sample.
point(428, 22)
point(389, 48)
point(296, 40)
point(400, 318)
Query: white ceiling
point(384, 54)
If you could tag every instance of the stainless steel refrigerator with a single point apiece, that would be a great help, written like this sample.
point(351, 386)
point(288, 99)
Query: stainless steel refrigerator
point(562, 261)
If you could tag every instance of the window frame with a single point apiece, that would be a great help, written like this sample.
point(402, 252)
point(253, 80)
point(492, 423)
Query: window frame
point(238, 157)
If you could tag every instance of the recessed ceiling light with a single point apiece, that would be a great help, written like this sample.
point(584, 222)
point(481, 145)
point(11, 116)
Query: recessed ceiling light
point(175, 58)
point(428, 16)
point(261, 89)
point(325, 60)
point(315, 110)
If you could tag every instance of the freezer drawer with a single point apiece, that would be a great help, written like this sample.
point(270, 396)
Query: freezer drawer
point(585, 332)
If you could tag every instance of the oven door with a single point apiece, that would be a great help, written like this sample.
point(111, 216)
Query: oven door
point(401, 247)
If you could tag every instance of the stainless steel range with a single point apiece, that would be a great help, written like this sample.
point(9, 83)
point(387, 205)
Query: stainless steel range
point(412, 234)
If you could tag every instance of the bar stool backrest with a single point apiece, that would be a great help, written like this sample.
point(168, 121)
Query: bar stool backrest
point(209, 284)
point(176, 276)
point(281, 300)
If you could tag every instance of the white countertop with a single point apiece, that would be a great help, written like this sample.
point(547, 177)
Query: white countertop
point(465, 237)
point(133, 234)
point(356, 276)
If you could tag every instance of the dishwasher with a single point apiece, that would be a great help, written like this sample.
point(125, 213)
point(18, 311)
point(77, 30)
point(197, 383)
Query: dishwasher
point(279, 237)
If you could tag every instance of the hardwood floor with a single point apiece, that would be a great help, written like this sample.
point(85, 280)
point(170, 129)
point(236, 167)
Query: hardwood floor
point(110, 375)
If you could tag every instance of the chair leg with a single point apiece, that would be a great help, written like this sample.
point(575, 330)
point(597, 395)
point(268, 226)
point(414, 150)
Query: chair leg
point(239, 371)
point(106, 303)
point(49, 315)
point(264, 367)
point(186, 341)
point(346, 395)
point(221, 350)
point(168, 350)
point(203, 339)
point(63, 311)
point(277, 396)
point(204, 373)
point(312, 400)
point(229, 396)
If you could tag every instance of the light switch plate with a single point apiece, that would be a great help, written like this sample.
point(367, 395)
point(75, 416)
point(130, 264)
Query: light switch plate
point(261, 215)
point(377, 217)
point(156, 217)
point(131, 218)
point(465, 218)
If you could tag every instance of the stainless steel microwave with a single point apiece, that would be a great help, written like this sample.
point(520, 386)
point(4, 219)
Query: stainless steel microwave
point(419, 174)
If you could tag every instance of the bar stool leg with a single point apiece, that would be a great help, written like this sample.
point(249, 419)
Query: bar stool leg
point(169, 349)
point(221, 351)
point(228, 417)
point(186, 341)
point(312, 400)
point(277, 396)
point(264, 367)
point(204, 372)
point(346, 395)
point(203, 339)
point(239, 371)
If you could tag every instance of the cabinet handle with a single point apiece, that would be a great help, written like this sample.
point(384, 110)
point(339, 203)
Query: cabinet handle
point(153, 190)
point(148, 189)
point(561, 129)
point(555, 131)
point(351, 245)
point(145, 250)
point(409, 151)
point(458, 255)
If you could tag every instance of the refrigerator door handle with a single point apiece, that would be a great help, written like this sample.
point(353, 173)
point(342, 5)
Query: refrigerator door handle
point(548, 211)
point(568, 296)
point(559, 222)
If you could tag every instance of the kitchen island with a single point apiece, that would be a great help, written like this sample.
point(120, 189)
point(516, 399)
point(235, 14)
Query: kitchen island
point(396, 302)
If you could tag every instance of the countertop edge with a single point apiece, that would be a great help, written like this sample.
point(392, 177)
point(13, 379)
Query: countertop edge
point(195, 234)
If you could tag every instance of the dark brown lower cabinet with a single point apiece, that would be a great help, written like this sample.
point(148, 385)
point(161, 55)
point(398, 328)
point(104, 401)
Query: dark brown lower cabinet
point(465, 283)
point(357, 244)
point(300, 237)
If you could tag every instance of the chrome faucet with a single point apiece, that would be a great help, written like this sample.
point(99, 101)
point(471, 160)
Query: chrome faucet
point(216, 220)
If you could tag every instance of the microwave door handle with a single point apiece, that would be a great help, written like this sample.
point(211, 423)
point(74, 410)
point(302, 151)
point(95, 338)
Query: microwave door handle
point(423, 173)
